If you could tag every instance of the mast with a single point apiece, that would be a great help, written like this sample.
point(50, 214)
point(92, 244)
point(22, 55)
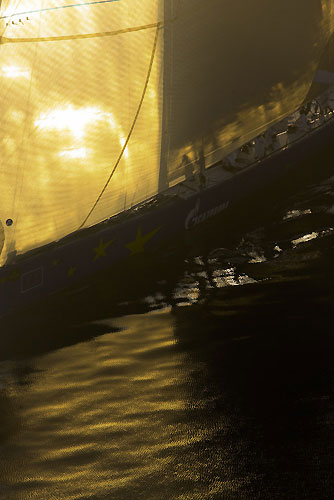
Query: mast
point(168, 11)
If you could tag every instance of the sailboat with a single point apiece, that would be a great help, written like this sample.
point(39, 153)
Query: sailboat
point(125, 122)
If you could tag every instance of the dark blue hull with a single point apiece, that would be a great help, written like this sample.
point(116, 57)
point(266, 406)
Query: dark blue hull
point(151, 227)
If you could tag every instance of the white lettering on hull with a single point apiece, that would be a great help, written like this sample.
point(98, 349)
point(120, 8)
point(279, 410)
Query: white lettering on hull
point(195, 217)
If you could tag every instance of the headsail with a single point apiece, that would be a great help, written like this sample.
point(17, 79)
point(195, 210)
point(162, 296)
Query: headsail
point(73, 76)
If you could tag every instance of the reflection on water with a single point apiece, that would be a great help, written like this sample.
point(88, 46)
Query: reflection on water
point(228, 398)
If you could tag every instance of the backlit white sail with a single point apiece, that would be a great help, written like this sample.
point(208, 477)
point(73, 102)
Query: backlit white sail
point(72, 79)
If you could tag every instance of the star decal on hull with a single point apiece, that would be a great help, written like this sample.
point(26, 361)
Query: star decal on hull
point(100, 251)
point(138, 245)
point(14, 275)
point(71, 271)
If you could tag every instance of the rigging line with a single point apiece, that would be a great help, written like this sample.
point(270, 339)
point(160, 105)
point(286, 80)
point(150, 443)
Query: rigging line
point(57, 8)
point(4, 40)
point(22, 160)
point(132, 126)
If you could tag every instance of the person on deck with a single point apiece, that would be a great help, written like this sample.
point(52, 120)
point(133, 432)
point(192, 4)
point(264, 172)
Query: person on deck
point(201, 170)
point(188, 168)
point(260, 143)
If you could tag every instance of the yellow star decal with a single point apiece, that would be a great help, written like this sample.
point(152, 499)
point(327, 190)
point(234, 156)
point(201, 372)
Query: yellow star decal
point(55, 262)
point(137, 246)
point(4, 279)
point(100, 251)
point(71, 271)
point(14, 275)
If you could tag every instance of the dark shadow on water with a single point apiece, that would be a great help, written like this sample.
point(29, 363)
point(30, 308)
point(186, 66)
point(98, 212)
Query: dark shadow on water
point(267, 352)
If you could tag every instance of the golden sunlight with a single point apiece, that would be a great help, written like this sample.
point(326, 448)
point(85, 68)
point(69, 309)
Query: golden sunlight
point(71, 119)
point(126, 150)
point(74, 153)
point(15, 72)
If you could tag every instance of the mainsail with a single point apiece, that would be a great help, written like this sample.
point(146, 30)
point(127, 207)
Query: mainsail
point(103, 102)
point(237, 67)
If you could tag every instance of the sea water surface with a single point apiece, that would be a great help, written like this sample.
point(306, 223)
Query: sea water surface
point(214, 382)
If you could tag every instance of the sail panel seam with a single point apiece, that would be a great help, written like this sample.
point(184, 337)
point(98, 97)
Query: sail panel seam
point(155, 43)
point(6, 40)
point(37, 11)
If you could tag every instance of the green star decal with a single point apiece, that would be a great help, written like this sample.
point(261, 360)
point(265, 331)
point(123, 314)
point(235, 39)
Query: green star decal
point(138, 245)
point(100, 251)
point(71, 271)
point(14, 275)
